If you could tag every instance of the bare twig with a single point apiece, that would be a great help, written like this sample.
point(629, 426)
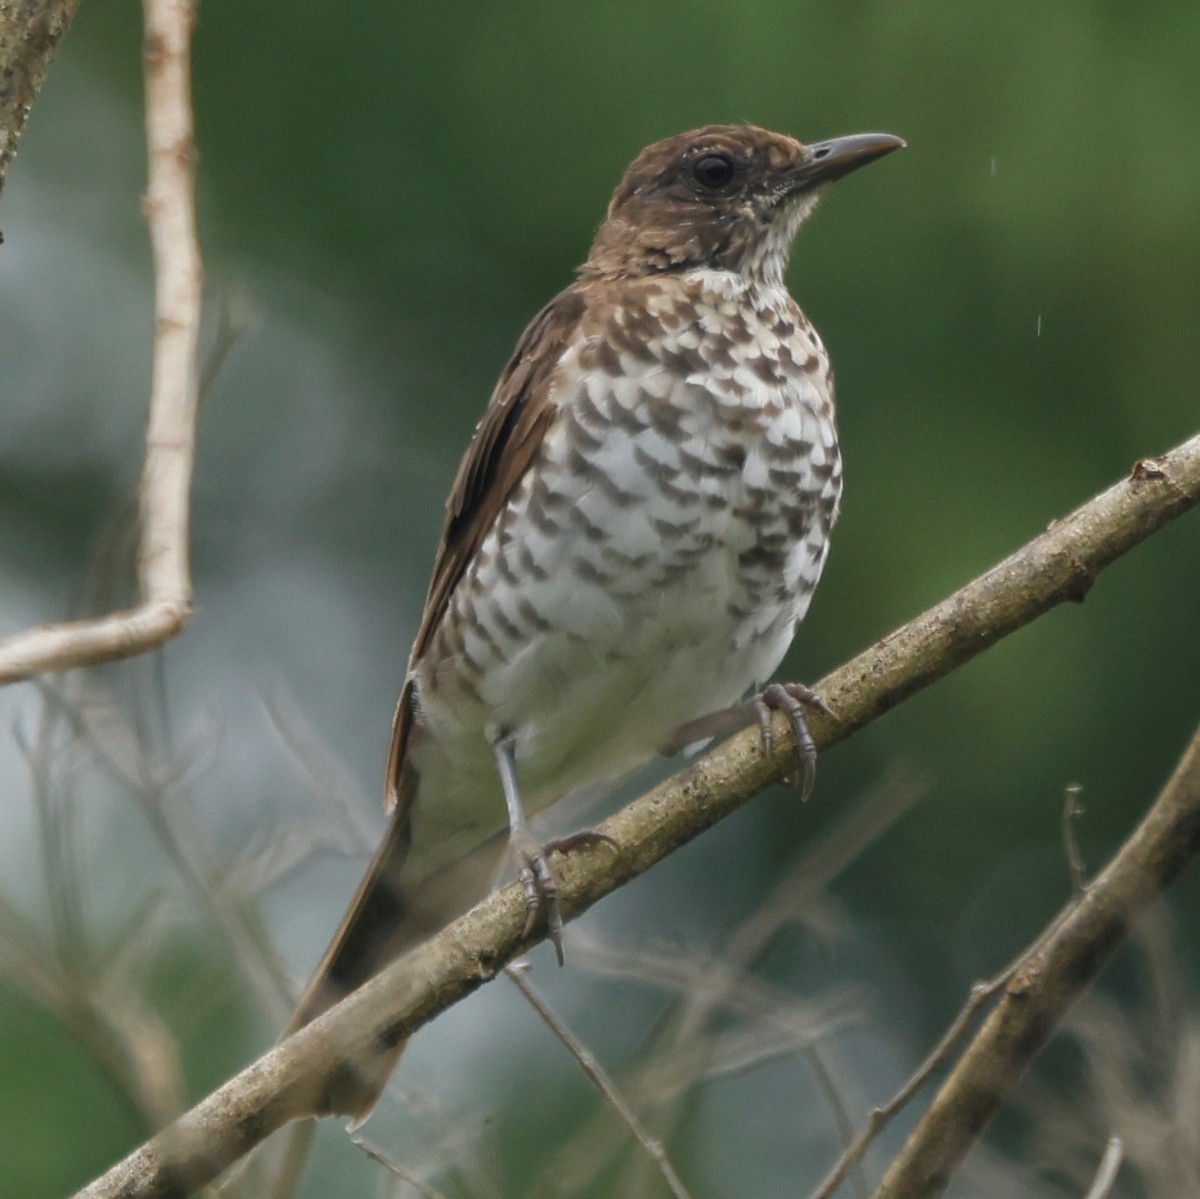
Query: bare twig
point(29, 36)
point(394, 1168)
point(1059, 565)
point(589, 1064)
point(1140, 1072)
point(800, 1020)
point(234, 320)
point(163, 574)
point(841, 1117)
point(1107, 1171)
point(1046, 985)
point(327, 775)
point(1072, 810)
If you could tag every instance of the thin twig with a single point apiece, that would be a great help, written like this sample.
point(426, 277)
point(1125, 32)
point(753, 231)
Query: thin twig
point(234, 321)
point(394, 1168)
point(163, 574)
point(589, 1064)
point(328, 775)
point(1072, 810)
point(1109, 1168)
point(841, 1115)
point(129, 1043)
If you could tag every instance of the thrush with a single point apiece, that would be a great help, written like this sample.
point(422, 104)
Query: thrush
point(632, 537)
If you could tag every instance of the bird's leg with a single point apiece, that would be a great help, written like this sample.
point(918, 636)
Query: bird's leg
point(533, 870)
point(788, 698)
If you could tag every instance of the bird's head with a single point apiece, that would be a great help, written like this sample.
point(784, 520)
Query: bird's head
point(726, 197)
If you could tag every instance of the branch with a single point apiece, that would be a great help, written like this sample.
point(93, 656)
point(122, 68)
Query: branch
point(1061, 564)
point(29, 36)
point(1046, 985)
point(163, 574)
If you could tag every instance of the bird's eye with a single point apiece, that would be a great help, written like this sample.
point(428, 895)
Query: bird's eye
point(713, 171)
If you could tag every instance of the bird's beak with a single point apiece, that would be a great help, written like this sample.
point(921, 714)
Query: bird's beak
point(830, 160)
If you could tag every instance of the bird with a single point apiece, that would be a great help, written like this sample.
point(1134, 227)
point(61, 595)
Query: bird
point(633, 534)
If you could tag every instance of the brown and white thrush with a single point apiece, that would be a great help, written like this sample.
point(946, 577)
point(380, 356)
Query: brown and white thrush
point(631, 540)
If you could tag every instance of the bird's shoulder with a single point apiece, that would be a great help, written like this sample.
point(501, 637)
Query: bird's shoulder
point(592, 324)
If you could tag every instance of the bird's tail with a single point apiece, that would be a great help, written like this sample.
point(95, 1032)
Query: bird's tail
point(388, 915)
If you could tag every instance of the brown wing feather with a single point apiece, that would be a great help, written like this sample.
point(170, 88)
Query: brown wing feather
point(505, 441)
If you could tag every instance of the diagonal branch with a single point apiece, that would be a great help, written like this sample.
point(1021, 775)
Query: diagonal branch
point(1047, 983)
point(163, 573)
point(1060, 564)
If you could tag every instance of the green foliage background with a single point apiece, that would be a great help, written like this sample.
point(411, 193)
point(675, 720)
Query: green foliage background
point(1012, 306)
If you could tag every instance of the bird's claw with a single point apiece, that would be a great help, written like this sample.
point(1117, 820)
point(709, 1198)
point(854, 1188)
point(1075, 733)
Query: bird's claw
point(541, 894)
point(538, 883)
point(790, 699)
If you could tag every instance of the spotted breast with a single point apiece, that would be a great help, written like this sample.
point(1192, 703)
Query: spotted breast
point(653, 562)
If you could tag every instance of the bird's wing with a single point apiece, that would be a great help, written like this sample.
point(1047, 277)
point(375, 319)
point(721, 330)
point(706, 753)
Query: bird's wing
point(385, 914)
point(505, 441)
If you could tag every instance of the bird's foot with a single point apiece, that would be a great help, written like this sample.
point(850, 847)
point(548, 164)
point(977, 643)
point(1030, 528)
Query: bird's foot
point(790, 699)
point(537, 879)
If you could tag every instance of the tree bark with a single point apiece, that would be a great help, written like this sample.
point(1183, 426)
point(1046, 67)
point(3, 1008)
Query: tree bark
point(30, 31)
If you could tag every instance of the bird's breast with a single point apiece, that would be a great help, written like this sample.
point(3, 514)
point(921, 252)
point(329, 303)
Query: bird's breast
point(697, 416)
point(653, 561)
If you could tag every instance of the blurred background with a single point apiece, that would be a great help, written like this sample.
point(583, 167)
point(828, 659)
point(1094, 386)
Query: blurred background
point(387, 195)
